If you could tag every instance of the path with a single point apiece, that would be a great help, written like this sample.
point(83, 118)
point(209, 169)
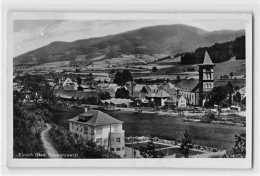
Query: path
point(50, 150)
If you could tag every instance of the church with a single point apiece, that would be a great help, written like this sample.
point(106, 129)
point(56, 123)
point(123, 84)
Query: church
point(194, 90)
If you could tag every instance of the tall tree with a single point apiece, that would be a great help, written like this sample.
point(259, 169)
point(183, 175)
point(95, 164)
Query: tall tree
point(154, 69)
point(122, 93)
point(126, 76)
point(186, 143)
point(118, 79)
point(79, 80)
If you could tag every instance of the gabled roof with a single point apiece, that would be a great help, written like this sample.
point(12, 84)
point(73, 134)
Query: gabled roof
point(188, 84)
point(138, 87)
point(168, 85)
point(96, 118)
point(159, 94)
point(170, 91)
point(174, 98)
point(207, 59)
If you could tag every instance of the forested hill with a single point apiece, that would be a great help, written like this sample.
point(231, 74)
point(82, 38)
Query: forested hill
point(219, 52)
point(166, 39)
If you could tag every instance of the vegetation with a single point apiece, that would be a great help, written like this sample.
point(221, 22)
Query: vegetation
point(154, 69)
point(122, 93)
point(122, 78)
point(104, 96)
point(66, 142)
point(220, 95)
point(34, 88)
point(219, 52)
point(186, 143)
point(149, 151)
point(28, 124)
point(239, 150)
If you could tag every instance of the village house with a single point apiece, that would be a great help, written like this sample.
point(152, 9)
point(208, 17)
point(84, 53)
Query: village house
point(117, 103)
point(104, 130)
point(176, 101)
point(159, 97)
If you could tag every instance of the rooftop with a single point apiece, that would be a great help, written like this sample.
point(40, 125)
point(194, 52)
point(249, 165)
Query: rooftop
point(207, 59)
point(96, 118)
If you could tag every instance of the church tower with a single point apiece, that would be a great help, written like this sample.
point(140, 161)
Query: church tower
point(206, 76)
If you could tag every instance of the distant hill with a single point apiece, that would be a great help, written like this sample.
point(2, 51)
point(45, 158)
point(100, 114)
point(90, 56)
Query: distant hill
point(218, 52)
point(167, 39)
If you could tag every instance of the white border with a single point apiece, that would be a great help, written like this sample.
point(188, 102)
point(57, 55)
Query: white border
point(154, 6)
point(167, 163)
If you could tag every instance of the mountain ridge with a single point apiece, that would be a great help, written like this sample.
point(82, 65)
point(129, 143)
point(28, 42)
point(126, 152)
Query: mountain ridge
point(167, 39)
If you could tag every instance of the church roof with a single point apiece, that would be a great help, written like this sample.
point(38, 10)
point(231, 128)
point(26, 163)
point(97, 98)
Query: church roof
point(207, 59)
point(188, 85)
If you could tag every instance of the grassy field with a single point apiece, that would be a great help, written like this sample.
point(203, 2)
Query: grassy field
point(219, 136)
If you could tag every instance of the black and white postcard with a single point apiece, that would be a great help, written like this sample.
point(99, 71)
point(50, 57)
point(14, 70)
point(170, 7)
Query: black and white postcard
point(129, 90)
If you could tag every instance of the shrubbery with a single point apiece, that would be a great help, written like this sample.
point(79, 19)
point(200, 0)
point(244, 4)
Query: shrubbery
point(27, 128)
point(66, 142)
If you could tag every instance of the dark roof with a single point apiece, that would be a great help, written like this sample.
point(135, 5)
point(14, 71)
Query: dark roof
point(96, 118)
point(69, 94)
point(170, 91)
point(148, 89)
point(188, 84)
point(159, 94)
point(207, 60)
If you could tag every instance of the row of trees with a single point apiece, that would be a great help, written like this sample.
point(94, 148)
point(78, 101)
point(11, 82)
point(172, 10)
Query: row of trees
point(223, 96)
point(122, 78)
point(219, 52)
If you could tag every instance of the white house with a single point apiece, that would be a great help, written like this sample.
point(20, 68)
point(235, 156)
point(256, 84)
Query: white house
point(100, 128)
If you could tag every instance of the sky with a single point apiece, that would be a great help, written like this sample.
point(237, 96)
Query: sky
point(33, 34)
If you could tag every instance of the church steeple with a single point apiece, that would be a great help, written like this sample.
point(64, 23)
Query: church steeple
point(207, 60)
point(206, 75)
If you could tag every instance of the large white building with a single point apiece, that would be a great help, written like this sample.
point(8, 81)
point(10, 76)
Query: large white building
point(100, 128)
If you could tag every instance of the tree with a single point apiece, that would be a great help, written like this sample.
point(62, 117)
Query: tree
point(126, 76)
point(216, 96)
point(90, 77)
point(231, 74)
point(237, 97)
point(178, 78)
point(149, 151)
point(79, 80)
point(240, 145)
point(122, 93)
point(112, 71)
point(104, 95)
point(230, 90)
point(154, 69)
point(118, 79)
point(35, 87)
point(186, 143)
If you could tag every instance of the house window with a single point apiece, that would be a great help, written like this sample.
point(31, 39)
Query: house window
point(99, 141)
point(117, 149)
point(85, 129)
point(99, 130)
point(112, 149)
point(112, 140)
point(117, 139)
point(123, 148)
